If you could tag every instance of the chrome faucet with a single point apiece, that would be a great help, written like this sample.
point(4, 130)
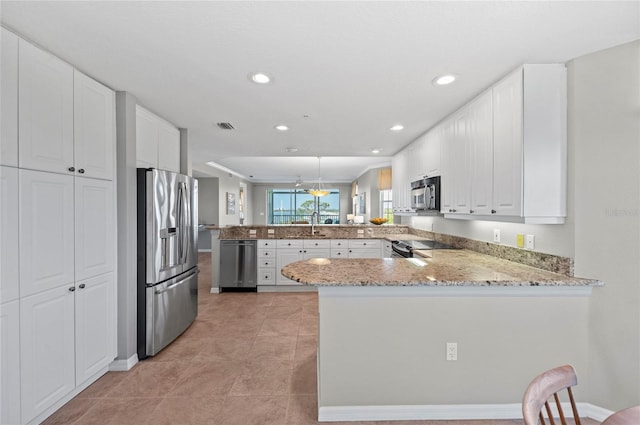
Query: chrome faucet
point(314, 221)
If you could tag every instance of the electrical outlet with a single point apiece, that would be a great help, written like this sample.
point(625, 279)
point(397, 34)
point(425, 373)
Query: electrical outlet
point(452, 351)
point(520, 240)
point(531, 241)
point(496, 235)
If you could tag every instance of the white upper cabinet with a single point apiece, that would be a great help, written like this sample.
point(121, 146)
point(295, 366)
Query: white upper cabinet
point(430, 153)
point(46, 231)
point(168, 147)
point(506, 150)
point(94, 128)
point(9, 98)
point(45, 119)
point(481, 154)
point(157, 142)
point(9, 219)
point(146, 139)
point(401, 180)
point(507, 145)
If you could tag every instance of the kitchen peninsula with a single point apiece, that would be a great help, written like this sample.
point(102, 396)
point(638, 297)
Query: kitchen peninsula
point(421, 338)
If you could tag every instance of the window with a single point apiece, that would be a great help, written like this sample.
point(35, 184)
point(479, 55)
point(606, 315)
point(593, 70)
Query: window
point(286, 206)
point(386, 205)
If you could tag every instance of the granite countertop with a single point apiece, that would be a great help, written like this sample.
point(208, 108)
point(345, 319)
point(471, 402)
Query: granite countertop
point(443, 268)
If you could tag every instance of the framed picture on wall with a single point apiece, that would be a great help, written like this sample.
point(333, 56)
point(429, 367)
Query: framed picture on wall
point(231, 203)
point(363, 203)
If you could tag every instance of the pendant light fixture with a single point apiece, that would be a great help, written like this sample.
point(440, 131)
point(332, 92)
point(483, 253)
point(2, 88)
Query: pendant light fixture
point(318, 190)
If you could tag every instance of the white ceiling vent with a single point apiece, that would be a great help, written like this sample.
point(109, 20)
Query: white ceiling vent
point(226, 126)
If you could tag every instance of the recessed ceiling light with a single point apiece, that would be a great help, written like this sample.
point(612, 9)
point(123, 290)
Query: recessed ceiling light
point(397, 127)
point(375, 150)
point(260, 78)
point(282, 127)
point(443, 80)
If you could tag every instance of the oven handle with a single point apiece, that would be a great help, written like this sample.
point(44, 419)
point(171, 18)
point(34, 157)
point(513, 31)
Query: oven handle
point(401, 251)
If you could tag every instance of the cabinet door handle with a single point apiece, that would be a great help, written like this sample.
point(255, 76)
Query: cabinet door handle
point(82, 286)
point(81, 171)
point(471, 211)
point(493, 211)
point(72, 169)
point(73, 288)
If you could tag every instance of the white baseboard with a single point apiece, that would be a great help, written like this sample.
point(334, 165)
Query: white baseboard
point(124, 364)
point(215, 290)
point(442, 412)
point(204, 250)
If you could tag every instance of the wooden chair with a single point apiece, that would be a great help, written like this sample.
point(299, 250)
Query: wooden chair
point(545, 386)
point(630, 416)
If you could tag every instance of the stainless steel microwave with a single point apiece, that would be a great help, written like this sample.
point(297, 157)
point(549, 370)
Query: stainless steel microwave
point(425, 194)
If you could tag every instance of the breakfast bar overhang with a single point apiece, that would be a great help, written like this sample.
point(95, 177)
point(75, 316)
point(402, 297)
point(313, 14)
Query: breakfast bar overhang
point(384, 325)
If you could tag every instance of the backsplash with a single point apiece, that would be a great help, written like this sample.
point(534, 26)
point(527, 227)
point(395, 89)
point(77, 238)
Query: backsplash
point(549, 262)
point(329, 231)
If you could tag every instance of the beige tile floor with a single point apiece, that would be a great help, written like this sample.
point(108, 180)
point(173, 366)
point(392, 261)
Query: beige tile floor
point(249, 359)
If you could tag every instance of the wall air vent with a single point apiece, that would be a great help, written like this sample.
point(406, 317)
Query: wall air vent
point(225, 126)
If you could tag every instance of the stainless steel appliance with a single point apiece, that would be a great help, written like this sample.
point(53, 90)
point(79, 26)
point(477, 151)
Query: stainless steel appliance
point(425, 194)
point(404, 249)
point(238, 265)
point(167, 289)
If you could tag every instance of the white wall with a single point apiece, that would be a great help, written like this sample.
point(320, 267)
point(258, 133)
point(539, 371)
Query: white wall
point(228, 183)
point(604, 130)
point(368, 184)
point(208, 200)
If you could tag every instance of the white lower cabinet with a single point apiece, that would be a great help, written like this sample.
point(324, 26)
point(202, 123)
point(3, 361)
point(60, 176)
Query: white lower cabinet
point(47, 349)
point(67, 335)
point(95, 325)
point(365, 248)
point(287, 256)
point(266, 262)
point(10, 362)
point(316, 248)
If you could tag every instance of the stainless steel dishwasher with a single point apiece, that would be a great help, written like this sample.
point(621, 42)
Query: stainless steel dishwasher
point(238, 265)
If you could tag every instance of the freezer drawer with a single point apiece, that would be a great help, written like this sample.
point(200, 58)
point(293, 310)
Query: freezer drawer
point(171, 307)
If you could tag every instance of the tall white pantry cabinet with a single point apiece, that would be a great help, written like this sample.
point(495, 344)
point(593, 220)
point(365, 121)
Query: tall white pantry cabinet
point(58, 289)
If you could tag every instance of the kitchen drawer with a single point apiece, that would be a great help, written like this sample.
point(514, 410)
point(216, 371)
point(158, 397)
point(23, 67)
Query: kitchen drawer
point(339, 243)
point(339, 253)
point(266, 243)
point(266, 277)
point(365, 243)
point(364, 253)
point(266, 253)
point(289, 243)
point(269, 262)
point(317, 243)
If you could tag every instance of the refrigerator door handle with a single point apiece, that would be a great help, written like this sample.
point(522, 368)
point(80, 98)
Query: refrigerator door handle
point(178, 283)
point(180, 225)
point(184, 224)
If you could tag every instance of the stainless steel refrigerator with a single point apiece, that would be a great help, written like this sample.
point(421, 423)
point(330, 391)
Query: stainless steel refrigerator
point(167, 258)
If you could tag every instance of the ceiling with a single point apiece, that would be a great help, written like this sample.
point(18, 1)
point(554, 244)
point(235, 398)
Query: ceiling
point(342, 72)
